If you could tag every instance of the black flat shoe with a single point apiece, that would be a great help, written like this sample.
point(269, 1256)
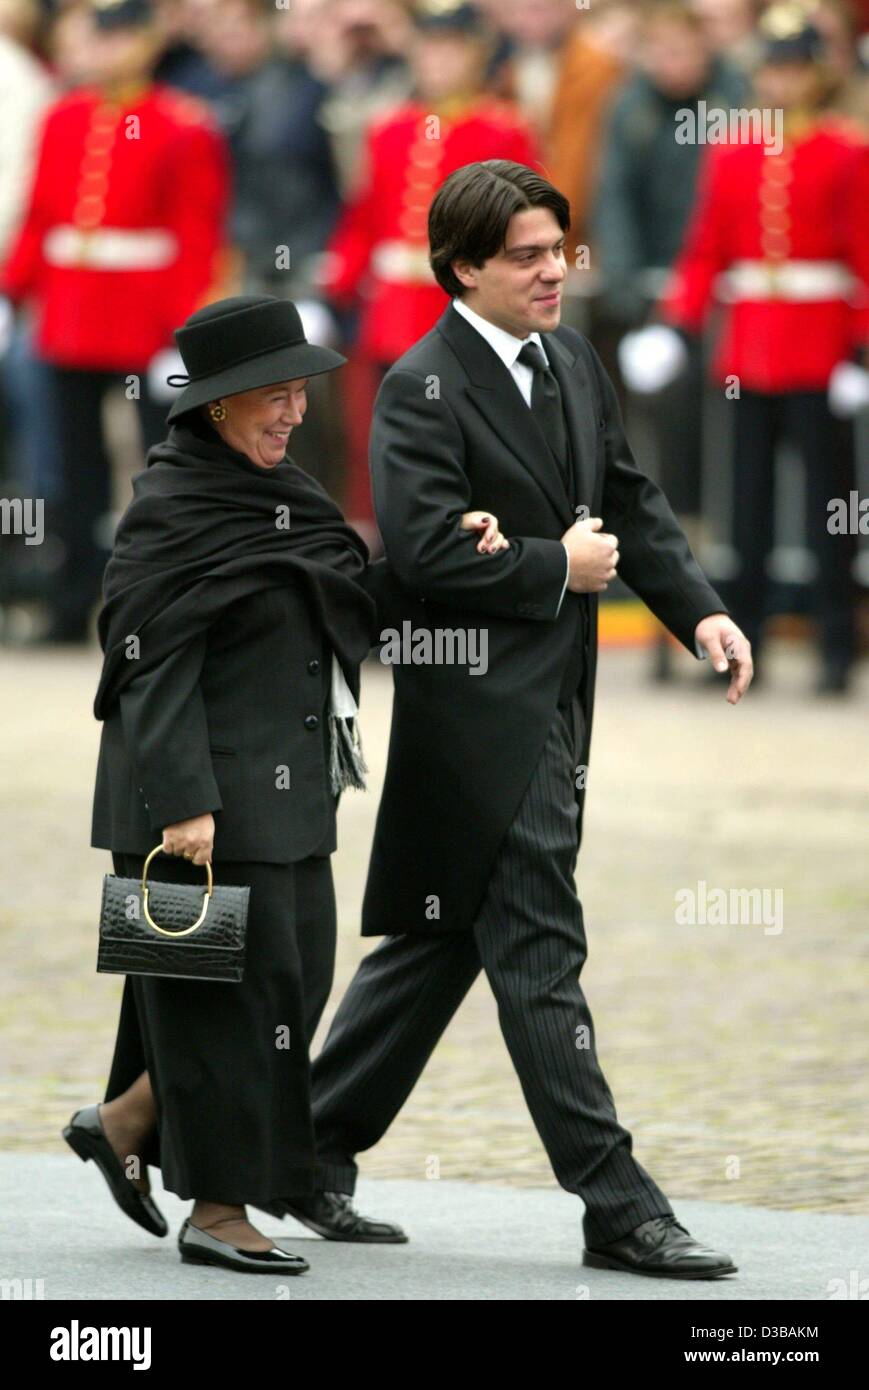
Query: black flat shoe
point(86, 1136)
point(662, 1249)
point(333, 1216)
point(201, 1248)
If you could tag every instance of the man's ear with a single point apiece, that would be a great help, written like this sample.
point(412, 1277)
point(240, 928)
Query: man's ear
point(465, 273)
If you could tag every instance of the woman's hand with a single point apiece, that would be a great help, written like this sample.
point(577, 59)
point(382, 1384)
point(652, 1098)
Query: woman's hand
point(192, 839)
point(491, 539)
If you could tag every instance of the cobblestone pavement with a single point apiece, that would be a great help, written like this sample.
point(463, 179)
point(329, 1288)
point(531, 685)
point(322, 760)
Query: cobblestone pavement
point(737, 1055)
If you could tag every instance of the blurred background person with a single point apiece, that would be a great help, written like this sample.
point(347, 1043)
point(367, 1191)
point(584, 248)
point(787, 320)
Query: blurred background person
point(561, 65)
point(21, 21)
point(25, 92)
point(644, 201)
point(597, 58)
point(788, 234)
point(377, 260)
point(181, 63)
point(534, 37)
point(284, 192)
point(285, 198)
point(358, 48)
point(68, 46)
point(648, 178)
point(120, 242)
point(730, 27)
point(836, 22)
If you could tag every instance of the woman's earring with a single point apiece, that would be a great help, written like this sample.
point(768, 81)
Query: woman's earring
point(217, 412)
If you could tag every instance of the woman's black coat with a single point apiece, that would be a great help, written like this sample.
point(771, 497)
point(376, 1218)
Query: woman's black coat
point(210, 730)
point(224, 706)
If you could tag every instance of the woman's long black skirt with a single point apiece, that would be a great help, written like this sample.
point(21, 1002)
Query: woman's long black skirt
point(233, 1101)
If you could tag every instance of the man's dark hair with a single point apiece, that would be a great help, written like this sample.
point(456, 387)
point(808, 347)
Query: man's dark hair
point(471, 212)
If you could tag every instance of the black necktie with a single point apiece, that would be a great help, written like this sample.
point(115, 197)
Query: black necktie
point(546, 403)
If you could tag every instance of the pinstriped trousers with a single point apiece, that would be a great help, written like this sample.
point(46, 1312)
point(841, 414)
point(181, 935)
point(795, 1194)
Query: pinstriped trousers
point(529, 938)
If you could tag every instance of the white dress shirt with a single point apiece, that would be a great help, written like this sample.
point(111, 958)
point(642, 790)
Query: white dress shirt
point(508, 349)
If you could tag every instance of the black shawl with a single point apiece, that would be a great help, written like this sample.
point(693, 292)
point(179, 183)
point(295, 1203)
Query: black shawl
point(207, 527)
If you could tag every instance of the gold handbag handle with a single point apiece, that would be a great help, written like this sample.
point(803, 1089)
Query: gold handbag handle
point(164, 931)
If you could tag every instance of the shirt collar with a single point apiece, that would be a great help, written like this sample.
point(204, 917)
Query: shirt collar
point(503, 343)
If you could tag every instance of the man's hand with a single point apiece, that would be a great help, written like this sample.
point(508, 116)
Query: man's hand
point(593, 555)
point(729, 649)
point(192, 839)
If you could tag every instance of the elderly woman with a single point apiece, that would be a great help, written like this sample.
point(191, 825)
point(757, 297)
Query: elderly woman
point(234, 624)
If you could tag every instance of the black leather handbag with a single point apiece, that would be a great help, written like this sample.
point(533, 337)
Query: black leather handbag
point(175, 930)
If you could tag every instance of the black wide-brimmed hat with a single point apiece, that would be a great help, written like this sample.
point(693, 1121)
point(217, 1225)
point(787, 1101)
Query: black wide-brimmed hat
point(240, 343)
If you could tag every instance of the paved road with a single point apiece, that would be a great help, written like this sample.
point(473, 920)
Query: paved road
point(468, 1242)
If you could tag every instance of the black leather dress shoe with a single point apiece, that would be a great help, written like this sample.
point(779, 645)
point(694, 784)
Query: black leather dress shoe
point(331, 1214)
point(663, 1249)
point(86, 1136)
point(201, 1248)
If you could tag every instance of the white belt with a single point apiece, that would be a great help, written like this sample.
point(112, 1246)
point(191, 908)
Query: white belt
point(806, 281)
point(402, 262)
point(110, 248)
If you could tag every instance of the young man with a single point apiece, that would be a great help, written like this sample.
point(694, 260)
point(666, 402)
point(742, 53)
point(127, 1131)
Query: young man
point(499, 406)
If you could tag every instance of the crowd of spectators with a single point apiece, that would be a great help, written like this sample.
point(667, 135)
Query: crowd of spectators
point(300, 93)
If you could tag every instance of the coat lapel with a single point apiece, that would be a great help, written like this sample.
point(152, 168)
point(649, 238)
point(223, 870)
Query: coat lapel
point(499, 400)
point(580, 412)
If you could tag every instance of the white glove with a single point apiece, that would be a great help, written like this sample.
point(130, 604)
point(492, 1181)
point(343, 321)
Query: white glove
point(7, 325)
point(651, 358)
point(848, 390)
point(165, 363)
point(318, 323)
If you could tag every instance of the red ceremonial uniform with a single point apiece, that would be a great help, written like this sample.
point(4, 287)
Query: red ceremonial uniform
point(783, 241)
point(121, 239)
point(380, 246)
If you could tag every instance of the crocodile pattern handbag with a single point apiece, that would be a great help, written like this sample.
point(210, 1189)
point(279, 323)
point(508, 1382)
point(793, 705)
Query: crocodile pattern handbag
point(177, 930)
